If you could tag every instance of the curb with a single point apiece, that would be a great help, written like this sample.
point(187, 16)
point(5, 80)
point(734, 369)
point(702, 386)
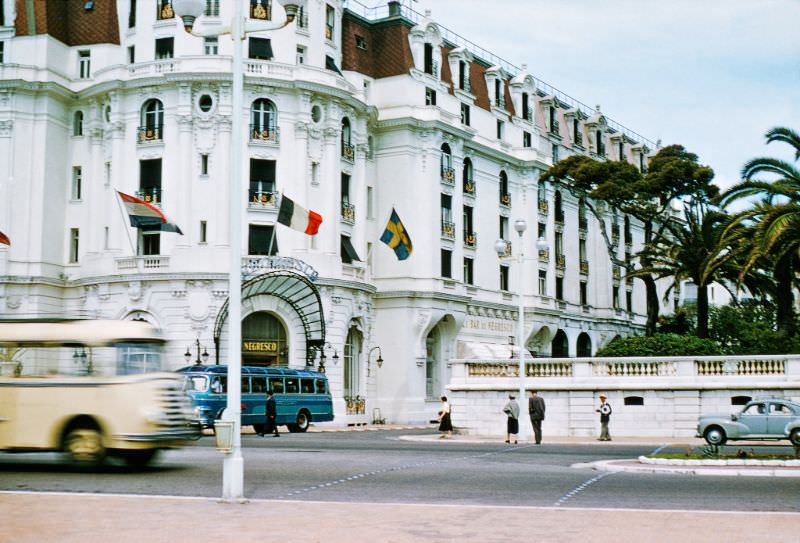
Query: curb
point(636, 466)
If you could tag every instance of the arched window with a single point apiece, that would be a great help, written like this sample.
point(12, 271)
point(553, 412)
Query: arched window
point(505, 196)
point(559, 207)
point(263, 120)
point(467, 177)
point(560, 345)
point(446, 164)
point(352, 367)
point(347, 146)
point(584, 346)
point(77, 124)
point(152, 121)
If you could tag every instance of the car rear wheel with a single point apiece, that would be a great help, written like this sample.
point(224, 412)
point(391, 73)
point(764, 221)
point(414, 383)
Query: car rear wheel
point(715, 436)
point(794, 437)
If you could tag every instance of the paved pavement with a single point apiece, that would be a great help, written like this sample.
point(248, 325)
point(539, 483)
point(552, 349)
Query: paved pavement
point(88, 518)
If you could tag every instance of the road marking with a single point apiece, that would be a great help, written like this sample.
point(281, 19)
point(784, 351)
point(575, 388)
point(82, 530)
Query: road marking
point(580, 488)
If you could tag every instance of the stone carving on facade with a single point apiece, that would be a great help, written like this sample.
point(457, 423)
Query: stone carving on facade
point(136, 290)
point(6, 127)
point(185, 123)
point(219, 294)
point(5, 98)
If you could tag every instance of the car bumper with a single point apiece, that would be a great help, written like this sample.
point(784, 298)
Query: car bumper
point(190, 432)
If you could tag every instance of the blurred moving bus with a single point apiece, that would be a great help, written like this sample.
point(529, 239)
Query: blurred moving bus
point(300, 396)
point(89, 388)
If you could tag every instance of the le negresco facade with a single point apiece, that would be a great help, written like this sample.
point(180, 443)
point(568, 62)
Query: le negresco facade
point(349, 111)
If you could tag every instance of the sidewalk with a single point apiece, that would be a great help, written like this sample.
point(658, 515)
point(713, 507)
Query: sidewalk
point(94, 518)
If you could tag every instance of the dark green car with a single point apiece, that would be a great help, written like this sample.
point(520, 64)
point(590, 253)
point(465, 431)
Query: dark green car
point(772, 418)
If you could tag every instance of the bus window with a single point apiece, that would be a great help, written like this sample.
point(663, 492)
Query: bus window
point(320, 386)
point(219, 384)
point(245, 385)
point(291, 386)
point(135, 358)
point(197, 383)
point(259, 385)
point(276, 385)
point(307, 386)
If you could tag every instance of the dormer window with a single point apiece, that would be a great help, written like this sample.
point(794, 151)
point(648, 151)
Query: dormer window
point(601, 149)
point(499, 100)
point(621, 150)
point(431, 66)
point(463, 76)
point(553, 119)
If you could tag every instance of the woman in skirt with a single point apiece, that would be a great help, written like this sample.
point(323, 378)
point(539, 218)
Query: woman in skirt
point(511, 409)
point(445, 425)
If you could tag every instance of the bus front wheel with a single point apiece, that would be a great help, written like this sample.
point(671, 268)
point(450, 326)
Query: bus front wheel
point(303, 422)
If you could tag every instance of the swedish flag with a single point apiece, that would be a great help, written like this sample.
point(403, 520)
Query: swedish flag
point(396, 237)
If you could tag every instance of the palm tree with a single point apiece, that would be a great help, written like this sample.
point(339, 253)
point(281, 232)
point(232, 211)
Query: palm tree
point(777, 217)
point(696, 249)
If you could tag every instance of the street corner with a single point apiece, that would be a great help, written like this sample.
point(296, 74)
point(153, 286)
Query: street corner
point(712, 467)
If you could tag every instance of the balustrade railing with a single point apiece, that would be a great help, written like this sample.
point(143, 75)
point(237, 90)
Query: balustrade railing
point(740, 367)
point(260, 133)
point(257, 198)
point(150, 133)
point(448, 175)
point(150, 195)
point(638, 368)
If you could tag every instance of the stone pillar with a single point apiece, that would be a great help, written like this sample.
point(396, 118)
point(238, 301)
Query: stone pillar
point(182, 188)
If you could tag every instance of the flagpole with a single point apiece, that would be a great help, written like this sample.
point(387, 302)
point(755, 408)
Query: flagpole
point(125, 216)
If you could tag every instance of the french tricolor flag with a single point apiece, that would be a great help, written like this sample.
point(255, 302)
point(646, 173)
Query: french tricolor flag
point(146, 216)
point(297, 218)
point(4, 239)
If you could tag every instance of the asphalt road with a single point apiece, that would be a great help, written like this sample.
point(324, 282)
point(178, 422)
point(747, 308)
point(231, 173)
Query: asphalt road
point(378, 467)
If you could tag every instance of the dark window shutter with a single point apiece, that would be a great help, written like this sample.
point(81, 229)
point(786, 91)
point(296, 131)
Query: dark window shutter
point(330, 64)
point(260, 48)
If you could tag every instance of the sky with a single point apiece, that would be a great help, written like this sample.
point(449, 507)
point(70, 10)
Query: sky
point(711, 75)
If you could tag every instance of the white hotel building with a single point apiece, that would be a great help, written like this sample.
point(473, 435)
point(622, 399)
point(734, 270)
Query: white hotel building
point(349, 111)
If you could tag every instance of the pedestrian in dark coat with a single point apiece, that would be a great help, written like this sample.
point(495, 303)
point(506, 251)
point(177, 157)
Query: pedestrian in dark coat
point(445, 424)
point(271, 412)
point(536, 411)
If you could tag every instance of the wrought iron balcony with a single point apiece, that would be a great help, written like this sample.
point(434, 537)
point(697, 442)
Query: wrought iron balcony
point(615, 273)
point(543, 207)
point(583, 223)
point(164, 10)
point(328, 32)
point(578, 139)
point(448, 230)
point(507, 252)
point(432, 68)
point(470, 239)
point(554, 128)
point(348, 212)
point(448, 175)
point(348, 152)
point(584, 267)
point(150, 133)
point(261, 9)
point(469, 187)
point(500, 102)
point(528, 115)
point(544, 255)
point(505, 199)
point(262, 199)
point(151, 195)
point(561, 262)
point(260, 133)
point(465, 85)
point(615, 238)
point(301, 19)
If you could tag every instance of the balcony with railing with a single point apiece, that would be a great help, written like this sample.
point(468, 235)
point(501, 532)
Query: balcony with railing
point(432, 68)
point(164, 10)
point(500, 101)
point(528, 115)
point(465, 85)
point(554, 128)
point(348, 213)
point(561, 262)
point(151, 195)
point(544, 255)
point(257, 199)
point(505, 199)
point(448, 229)
point(543, 207)
point(469, 187)
point(261, 10)
point(470, 239)
point(328, 32)
point(577, 139)
point(615, 237)
point(583, 224)
point(584, 264)
point(142, 263)
point(348, 152)
point(448, 175)
point(150, 134)
point(301, 21)
point(264, 134)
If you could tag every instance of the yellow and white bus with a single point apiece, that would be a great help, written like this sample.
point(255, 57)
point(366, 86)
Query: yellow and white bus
point(91, 389)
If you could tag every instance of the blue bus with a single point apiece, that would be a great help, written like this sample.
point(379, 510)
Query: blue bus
point(300, 396)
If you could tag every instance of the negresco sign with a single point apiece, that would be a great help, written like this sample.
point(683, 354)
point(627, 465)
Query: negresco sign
point(256, 265)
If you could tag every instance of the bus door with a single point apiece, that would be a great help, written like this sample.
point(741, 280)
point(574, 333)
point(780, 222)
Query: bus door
point(287, 405)
point(276, 386)
point(258, 396)
point(8, 415)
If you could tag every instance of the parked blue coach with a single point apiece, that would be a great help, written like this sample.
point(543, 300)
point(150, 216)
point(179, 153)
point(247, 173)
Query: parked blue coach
point(301, 397)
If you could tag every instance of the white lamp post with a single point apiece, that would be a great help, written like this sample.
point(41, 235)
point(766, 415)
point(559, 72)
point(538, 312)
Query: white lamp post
point(188, 11)
point(500, 247)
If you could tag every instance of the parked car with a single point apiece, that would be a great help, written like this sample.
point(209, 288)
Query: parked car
point(773, 418)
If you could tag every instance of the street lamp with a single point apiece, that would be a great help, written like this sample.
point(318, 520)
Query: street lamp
point(501, 248)
point(188, 11)
point(379, 361)
point(322, 356)
point(201, 358)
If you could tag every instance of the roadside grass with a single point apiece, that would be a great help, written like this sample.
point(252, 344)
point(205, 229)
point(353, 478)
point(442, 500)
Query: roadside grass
point(710, 452)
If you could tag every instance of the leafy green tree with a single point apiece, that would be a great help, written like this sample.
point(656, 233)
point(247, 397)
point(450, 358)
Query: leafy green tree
point(673, 174)
point(661, 345)
point(776, 218)
point(750, 327)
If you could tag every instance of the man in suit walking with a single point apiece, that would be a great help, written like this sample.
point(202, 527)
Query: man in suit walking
point(271, 412)
point(536, 411)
